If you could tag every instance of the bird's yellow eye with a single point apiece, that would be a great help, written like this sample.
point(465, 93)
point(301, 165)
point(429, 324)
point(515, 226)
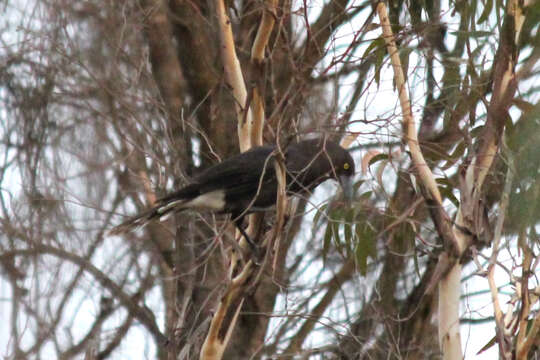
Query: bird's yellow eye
point(346, 166)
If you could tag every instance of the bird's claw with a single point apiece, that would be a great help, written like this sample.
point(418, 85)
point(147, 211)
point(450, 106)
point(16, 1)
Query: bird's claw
point(257, 255)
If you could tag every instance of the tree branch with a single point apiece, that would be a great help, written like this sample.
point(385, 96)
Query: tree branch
point(234, 77)
point(143, 315)
point(449, 336)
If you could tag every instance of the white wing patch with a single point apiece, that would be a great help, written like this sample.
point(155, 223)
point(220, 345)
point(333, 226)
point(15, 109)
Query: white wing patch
point(213, 200)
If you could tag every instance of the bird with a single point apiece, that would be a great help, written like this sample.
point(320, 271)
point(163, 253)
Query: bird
point(246, 183)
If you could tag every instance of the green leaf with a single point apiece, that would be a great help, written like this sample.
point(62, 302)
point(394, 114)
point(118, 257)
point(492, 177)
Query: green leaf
point(365, 246)
point(473, 34)
point(320, 211)
point(373, 46)
point(455, 156)
point(381, 51)
point(448, 193)
point(335, 231)
point(443, 181)
point(327, 240)
point(347, 230)
point(487, 10)
point(490, 343)
point(476, 131)
point(404, 57)
point(335, 217)
point(357, 185)
point(447, 190)
point(378, 47)
point(365, 196)
point(377, 157)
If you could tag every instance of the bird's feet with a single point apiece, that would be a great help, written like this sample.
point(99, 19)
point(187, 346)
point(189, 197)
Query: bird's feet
point(257, 254)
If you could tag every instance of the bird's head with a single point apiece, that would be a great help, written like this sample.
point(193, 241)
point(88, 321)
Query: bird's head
point(342, 169)
point(346, 174)
point(315, 160)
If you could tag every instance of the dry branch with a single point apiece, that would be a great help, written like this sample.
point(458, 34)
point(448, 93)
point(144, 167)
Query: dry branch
point(531, 339)
point(409, 125)
point(257, 59)
point(233, 75)
point(257, 103)
point(449, 290)
point(504, 341)
point(225, 317)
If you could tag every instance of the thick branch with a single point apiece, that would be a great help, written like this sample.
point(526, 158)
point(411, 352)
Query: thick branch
point(225, 317)
point(233, 75)
point(257, 57)
point(504, 87)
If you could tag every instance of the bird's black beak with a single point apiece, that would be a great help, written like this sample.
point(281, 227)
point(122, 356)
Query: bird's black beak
point(346, 183)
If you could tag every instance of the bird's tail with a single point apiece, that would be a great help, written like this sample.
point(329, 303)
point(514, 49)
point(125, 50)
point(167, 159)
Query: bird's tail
point(164, 207)
point(134, 222)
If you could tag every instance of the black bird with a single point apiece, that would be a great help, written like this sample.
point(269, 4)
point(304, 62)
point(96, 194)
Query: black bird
point(247, 182)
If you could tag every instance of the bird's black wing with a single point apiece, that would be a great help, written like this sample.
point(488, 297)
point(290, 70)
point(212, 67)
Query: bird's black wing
point(241, 177)
point(237, 172)
point(235, 175)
